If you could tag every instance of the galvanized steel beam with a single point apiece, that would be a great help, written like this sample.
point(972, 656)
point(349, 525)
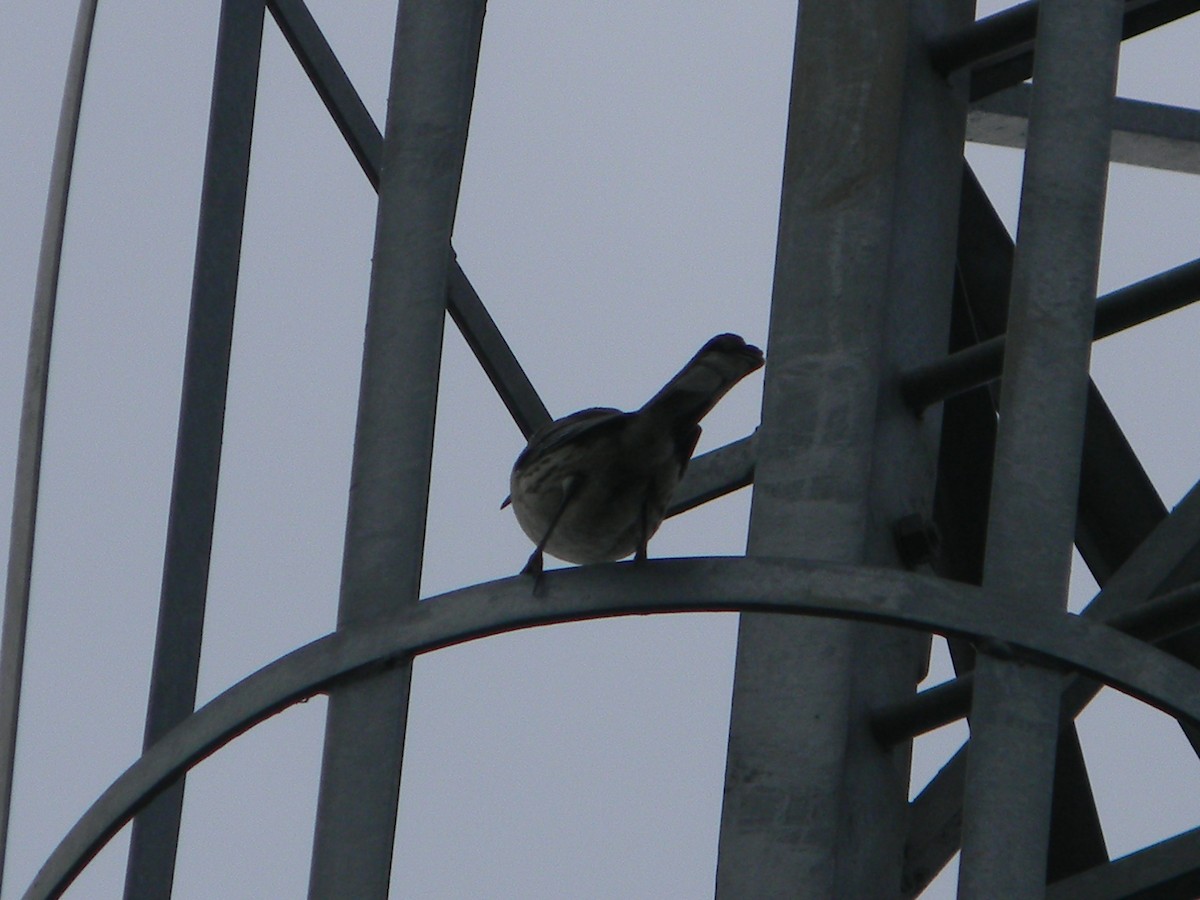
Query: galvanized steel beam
point(432, 85)
point(333, 86)
point(151, 865)
point(1123, 308)
point(27, 472)
point(999, 48)
point(1031, 522)
point(813, 806)
point(1153, 135)
point(495, 357)
point(1111, 523)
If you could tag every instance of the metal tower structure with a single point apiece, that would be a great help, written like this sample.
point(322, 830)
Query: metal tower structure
point(899, 489)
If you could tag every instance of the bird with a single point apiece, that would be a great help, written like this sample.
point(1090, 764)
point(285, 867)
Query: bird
point(594, 486)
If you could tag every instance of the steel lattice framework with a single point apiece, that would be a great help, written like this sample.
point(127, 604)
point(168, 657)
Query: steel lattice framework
point(889, 253)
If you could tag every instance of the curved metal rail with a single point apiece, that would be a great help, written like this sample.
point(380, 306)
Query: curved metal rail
point(33, 412)
point(663, 586)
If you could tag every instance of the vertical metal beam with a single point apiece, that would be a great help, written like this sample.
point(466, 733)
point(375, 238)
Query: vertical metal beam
point(814, 807)
point(1110, 525)
point(1014, 720)
point(151, 866)
point(27, 475)
point(432, 85)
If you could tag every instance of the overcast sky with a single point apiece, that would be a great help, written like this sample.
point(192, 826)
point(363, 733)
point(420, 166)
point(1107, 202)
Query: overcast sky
point(618, 208)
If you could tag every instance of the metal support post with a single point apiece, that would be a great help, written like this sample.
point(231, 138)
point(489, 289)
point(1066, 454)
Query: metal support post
point(27, 474)
point(1014, 719)
point(151, 865)
point(432, 86)
point(814, 806)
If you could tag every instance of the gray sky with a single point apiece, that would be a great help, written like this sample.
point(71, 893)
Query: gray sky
point(618, 208)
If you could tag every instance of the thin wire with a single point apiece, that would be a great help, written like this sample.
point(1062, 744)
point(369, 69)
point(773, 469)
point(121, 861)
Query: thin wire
point(33, 415)
point(973, 322)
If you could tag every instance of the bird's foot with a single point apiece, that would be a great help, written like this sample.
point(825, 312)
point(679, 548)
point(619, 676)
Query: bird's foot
point(534, 567)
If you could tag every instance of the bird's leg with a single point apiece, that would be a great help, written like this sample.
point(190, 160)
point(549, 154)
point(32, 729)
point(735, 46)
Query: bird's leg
point(534, 565)
point(684, 449)
point(642, 553)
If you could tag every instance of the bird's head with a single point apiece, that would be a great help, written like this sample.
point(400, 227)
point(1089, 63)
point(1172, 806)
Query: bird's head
point(731, 353)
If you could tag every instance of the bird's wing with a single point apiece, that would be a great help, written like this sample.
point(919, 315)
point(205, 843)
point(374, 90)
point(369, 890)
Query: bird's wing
point(570, 428)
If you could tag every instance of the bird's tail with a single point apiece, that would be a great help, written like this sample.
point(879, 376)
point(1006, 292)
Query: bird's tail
point(718, 366)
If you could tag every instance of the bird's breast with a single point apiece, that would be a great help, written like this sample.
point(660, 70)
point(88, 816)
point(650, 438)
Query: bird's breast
point(617, 487)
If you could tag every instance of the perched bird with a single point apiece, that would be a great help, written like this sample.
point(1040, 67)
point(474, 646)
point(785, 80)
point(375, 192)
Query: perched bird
point(594, 486)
